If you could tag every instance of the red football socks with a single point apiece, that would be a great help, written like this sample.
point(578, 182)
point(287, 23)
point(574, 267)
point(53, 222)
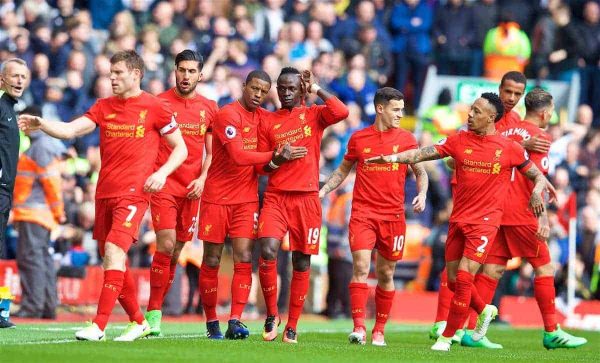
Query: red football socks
point(240, 288)
point(486, 288)
point(208, 290)
point(267, 273)
point(359, 293)
point(111, 288)
point(543, 289)
point(459, 307)
point(128, 298)
point(298, 290)
point(172, 272)
point(159, 279)
point(444, 298)
point(383, 305)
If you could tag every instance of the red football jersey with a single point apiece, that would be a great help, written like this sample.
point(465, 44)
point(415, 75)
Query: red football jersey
point(378, 188)
point(228, 183)
point(483, 168)
point(508, 119)
point(302, 126)
point(520, 187)
point(130, 131)
point(194, 117)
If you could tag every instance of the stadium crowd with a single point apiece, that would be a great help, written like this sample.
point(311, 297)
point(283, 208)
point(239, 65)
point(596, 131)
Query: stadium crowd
point(352, 48)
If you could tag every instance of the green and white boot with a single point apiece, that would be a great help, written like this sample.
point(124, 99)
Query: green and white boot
point(467, 341)
point(561, 339)
point(437, 329)
point(484, 319)
point(154, 318)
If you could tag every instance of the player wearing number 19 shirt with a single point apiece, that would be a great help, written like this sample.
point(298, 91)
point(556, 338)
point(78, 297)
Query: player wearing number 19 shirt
point(521, 234)
point(377, 219)
point(484, 161)
point(175, 207)
point(291, 202)
point(131, 124)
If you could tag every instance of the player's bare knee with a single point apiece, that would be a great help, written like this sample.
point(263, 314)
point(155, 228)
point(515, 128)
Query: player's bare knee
point(300, 261)
point(544, 270)
point(360, 272)
point(165, 246)
point(242, 256)
point(493, 271)
point(114, 257)
point(268, 249)
point(211, 259)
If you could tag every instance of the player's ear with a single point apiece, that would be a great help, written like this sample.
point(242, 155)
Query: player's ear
point(379, 108)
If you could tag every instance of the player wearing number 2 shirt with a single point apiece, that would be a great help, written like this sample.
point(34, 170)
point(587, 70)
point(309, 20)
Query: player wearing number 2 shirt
point(484, 161)
point(377, 219)
point(131, 124)
point(291, 202)
point(175, 207)
point(521, 234)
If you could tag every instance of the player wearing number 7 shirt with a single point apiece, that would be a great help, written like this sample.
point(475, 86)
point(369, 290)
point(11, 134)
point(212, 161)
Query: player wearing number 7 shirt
point(175, 207)
point(230, 200)
point(377, 219)
point(521, 234)
point(131, 124)
point(484, 162)
point(291, 202)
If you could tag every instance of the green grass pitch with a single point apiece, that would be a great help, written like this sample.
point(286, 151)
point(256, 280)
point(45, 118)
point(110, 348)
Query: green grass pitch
point(318, 342)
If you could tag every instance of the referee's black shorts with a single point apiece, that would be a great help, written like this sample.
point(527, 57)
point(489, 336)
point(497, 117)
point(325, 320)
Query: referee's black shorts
point(5, 204)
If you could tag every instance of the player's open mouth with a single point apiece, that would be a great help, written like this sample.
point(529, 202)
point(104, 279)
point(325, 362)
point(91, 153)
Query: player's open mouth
point(17, 88)
point(185, 84)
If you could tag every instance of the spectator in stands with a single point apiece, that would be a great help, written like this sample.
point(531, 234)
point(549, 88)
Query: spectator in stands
point(269, 20)
point(590, 73)
point(568, 46)
point(453, 35)
point(315, 44)
point(542, 41)
point(505, 48)
point(486, 18)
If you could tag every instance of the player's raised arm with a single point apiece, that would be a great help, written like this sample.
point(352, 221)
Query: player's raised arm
point(60, 130)
point(536, 202)
point(336, 178)
point(418, 202)
point(412, 156)
point(335, 110)
point(157, 180)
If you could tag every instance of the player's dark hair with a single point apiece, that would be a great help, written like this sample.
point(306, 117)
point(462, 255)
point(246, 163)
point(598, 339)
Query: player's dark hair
point(537, 99)
point(289, 70)
point(384, 95)
point(496, 102)
point(131, 58)
point(514, 76)
point(189, 55)
point(259, 74)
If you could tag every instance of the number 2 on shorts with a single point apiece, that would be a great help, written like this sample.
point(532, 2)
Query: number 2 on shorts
point(481, 247)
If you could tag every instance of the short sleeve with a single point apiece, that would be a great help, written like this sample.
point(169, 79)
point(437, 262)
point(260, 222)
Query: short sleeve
point(227, 127)
point(519, 157)
point(165, 122)
point(351, 151)
point(411, 142)
point(212, 114)
point(94, 113)
point(447, 147)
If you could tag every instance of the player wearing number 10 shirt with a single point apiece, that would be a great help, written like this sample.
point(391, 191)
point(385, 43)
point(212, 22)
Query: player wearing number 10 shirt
point(377, 219)
point(484, 161)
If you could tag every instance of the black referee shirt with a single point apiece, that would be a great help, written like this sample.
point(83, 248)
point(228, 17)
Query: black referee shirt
point(9, 143)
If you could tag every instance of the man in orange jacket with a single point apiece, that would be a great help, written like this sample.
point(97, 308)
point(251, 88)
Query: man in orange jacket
point(38, 209)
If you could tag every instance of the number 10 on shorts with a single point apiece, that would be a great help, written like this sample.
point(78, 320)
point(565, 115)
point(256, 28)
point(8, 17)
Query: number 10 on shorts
point(398, 243)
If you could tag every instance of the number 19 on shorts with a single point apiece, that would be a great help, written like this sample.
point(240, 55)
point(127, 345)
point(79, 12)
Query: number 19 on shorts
point(313, 235)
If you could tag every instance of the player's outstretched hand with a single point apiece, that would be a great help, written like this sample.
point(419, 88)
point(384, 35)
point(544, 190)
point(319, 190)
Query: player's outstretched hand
point(381, 159)
point(195, 188)
point(29, 122)
point(537, 144)
point(543, 230)
point(155, 182)
point(419, 203)
point(288, 152)
point(536, 204)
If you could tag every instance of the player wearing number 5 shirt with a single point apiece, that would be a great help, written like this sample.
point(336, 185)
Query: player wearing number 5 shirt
point(377, 219)
point(131, 123)
point(484, 162)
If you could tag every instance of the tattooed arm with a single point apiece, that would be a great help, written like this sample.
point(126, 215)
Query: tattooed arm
point(336, 178)
point(407, 157)
point(422, 185)
point(536, 202)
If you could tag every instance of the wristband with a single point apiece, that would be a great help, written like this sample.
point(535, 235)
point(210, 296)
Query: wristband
point(394, 158)
point(272, 165)
point(314, 88)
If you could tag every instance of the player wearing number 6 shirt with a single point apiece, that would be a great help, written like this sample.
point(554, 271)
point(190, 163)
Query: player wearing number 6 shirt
point(230, 200)
point(521, 234)
point(484, 161)
point(377, 219)
point(291, 202)
point(131, 124)
point(175, 207)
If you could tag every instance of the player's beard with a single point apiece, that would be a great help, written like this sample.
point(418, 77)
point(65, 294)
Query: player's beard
point(187, 92)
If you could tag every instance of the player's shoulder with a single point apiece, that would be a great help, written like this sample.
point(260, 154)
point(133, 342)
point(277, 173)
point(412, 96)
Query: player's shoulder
point(207, 102)
point(167, 95)
point(365, 131)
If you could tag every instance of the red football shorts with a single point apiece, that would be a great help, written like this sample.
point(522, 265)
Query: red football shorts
point(178, 213)
point(386, 236)
point(472, 241)
point(218, 221)
point(519, 241)
point(298, 213)
point(118, 220)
